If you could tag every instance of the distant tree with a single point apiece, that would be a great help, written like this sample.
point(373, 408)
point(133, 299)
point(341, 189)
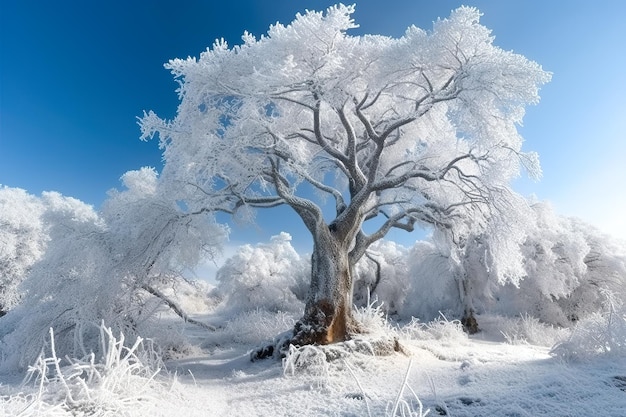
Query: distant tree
point(397, 132)
point(432, 288)
point(22, 241)
point(605, 272)
point(483, 259)
point(569, 266)
point(554, 259)
point(267, 276)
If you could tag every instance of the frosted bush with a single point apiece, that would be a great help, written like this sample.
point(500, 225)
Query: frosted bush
point(307, 360)
point(270, 276)
point(373, 318)
point(597, 334)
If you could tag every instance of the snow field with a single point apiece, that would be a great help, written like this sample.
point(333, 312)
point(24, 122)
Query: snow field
point(450, 373)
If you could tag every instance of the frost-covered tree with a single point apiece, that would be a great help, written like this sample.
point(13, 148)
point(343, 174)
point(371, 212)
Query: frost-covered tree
point(22, 241)
point(397, 132)
point(107, 266)
point(152, 237)
point(554, 259)
point(483, 259)
point(64, 287)
point(432, 289)
point(569, 266)
point(605, 271)
point(269, 276)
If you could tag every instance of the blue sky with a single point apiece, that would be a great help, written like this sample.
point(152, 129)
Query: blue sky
point(74, 75)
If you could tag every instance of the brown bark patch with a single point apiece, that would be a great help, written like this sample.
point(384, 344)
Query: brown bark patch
point(337, 330)
point(322, 324)
point(470, 324)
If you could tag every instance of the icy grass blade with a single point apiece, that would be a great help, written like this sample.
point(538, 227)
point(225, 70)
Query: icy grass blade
point(358, 383)
point(121, 381)
point(401, 405)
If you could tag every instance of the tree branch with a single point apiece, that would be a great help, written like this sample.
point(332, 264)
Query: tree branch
point(175, 307)
point(308, 211)
point(430, 176)
point(317, 129)
point(352, 164)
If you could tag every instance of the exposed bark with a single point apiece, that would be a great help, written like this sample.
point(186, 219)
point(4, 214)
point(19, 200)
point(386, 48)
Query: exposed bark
point(328, 316)
point(328, 313)
point(469, 322)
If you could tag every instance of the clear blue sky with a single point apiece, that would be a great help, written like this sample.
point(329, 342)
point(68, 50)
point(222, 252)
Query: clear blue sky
point(75, 74)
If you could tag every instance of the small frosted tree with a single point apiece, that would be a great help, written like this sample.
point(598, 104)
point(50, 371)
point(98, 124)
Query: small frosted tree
point(398, 132)
point(67, 284)
point(605, 270)
point(433, 289)
point(554, 259)
point(22, 241)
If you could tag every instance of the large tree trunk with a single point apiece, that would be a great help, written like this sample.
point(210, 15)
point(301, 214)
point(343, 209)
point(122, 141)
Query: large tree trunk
point(328, 313)
point(468, 320)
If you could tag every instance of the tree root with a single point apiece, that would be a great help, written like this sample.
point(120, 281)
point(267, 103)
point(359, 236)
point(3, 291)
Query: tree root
point(285, 343)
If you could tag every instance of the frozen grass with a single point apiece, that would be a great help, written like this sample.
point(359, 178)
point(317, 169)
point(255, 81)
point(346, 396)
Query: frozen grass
point(466, 377)
point(399, 406)
point(373, 319)
point(320, 365)
point(309, 363)
point(441, 329)
point(524, 329)
point(122, 380)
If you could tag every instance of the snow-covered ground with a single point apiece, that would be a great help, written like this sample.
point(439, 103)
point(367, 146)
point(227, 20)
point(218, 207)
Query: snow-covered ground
point(450, 373)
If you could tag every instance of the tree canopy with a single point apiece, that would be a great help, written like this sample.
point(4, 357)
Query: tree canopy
point(411, 129)
point(420, 129)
